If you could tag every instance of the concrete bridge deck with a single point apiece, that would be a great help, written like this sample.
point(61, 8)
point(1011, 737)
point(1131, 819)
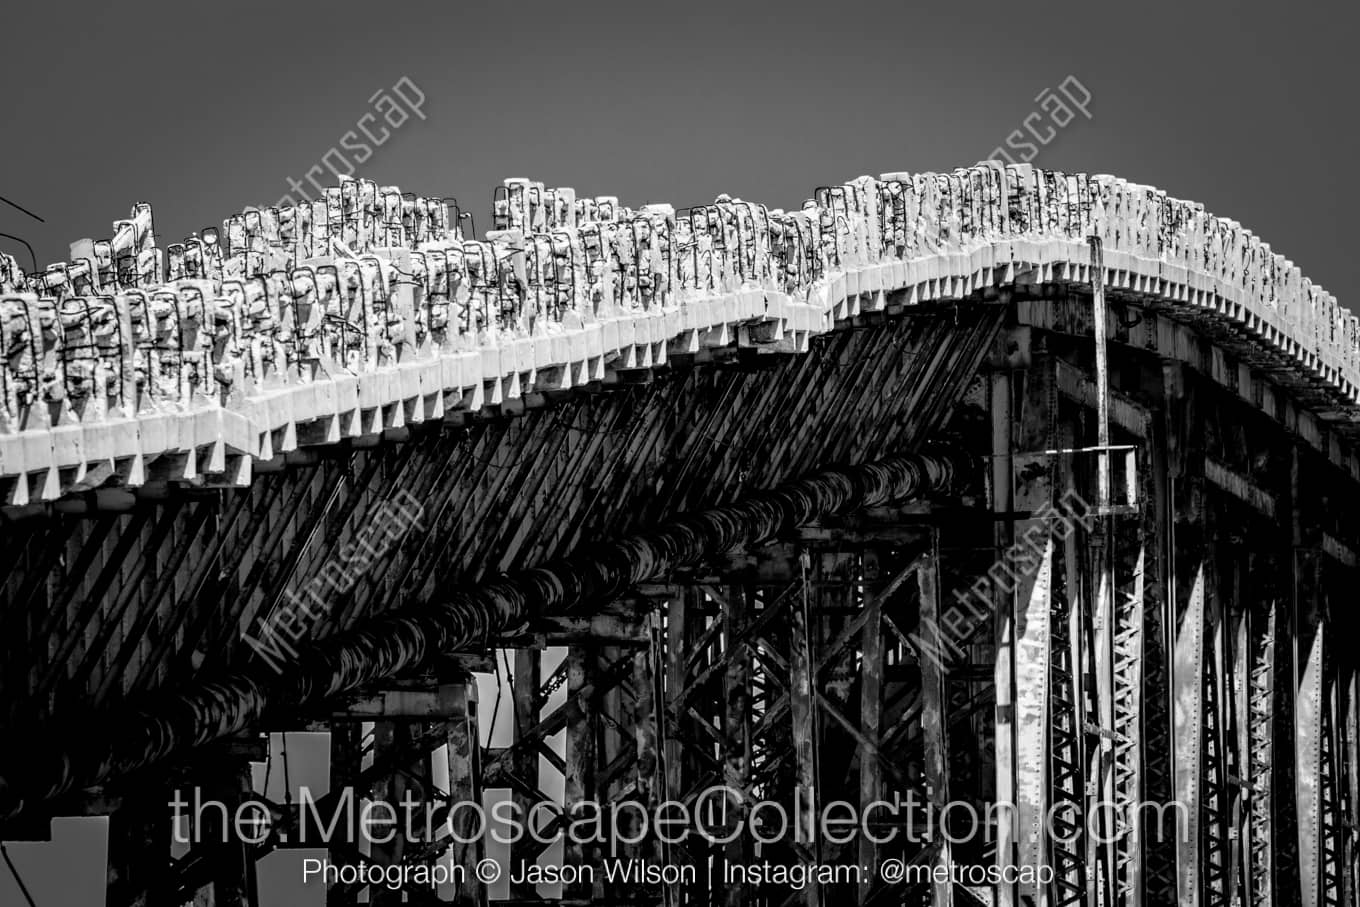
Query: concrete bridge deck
point(371, 311)
point(763, 474)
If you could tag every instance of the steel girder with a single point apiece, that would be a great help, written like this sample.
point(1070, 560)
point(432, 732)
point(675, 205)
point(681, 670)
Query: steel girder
point(70, 757)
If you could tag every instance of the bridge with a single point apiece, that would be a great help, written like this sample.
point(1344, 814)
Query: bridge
point(999, 486)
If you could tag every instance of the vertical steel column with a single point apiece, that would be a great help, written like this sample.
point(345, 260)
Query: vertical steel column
point(465, 786)
point(647, 695)
point(1098, 330)
point(803, 706)
point(1295, 622)
point(1191, 576)
point(676, 651)
point(391, 740)
point(1072, 787)
point(1351, 758)
point(654, 732)
point(1330, 787)
point(1309, 729)
point(1021, 486)
point(233, 865)
point(1159, 842)
point(685, 631)
point(1237, 618)
point(1215, 796)
point(527, 680)
point(1000, 393)
point(1188, 683)
point(346, 747)
point(1100, 756)
point(1032, 554)
point(139, 849)
point(1128, 713)
point(580, 760)
point(934, 720)
point(1262, 631)
point(1101, 853)
point(736, 731)
point(871, 723)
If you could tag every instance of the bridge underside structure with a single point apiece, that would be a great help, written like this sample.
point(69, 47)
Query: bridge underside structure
point(993, 487)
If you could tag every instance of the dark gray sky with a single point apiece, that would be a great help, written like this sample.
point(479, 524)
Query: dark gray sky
point(1244, 106)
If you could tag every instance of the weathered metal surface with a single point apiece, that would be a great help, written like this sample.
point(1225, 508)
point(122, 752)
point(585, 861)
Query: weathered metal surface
point(95, 611)
point(871, 712)
point(1188, 671)
point(1263, 634)
point(1000, 394)
point(934, 720)
point(1149, 656)
point(401, 642)
point(1127, 759)
point(804, 707)
point(1031, 556)
point(1308, 771)
point(464, 785)
point(579, 787)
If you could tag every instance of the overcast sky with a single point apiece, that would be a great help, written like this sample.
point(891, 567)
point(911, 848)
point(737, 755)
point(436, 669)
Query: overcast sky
point(1247, 107)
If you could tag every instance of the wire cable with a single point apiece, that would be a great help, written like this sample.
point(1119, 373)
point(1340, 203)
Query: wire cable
point(32, 257)
point(18, 879)
point(287, 782)
point(23, 209)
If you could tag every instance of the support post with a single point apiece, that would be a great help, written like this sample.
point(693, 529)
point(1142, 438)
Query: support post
point(648, 780)
point(1186, 671)
point(139, 850)
point(1262, 639)
point(233, 868)
point(1159, 842)
point(1000, 394)
point(871, 720)
point(1130, 652)
point(1308, 772)
point(346, 761)
point(803, 705)
point(524, 764)
point(1072, 789)
point(580, 762)
point(934, 720)
point(391, 740)
point(737, 733)
point(1030, 559)
point(465, 786)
